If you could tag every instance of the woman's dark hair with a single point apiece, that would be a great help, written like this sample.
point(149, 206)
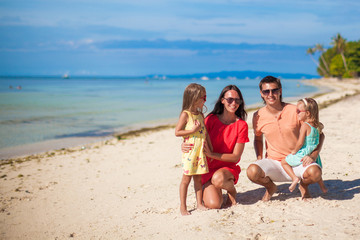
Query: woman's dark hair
point(219, 107)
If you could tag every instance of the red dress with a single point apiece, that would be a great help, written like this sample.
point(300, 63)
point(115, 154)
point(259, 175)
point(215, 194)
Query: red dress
point(223, 138)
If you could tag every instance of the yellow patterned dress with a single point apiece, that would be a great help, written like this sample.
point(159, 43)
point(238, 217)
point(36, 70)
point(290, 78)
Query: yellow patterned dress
point(194, 162)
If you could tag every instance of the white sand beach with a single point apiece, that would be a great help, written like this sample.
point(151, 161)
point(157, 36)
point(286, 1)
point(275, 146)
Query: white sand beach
point(128, 189)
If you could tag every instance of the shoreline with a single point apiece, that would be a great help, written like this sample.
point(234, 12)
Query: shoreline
point(325, 96)
point(43, 147)
point(71, 141)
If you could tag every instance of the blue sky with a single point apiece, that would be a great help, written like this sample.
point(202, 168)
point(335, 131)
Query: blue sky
point(129, 37)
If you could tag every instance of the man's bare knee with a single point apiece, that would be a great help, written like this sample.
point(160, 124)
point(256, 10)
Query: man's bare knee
point(313, 174)
point(253, 172)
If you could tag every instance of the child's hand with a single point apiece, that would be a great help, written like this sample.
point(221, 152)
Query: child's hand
point(197, 126)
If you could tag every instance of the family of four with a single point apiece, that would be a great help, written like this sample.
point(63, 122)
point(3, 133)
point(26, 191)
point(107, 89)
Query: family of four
point(213, 145)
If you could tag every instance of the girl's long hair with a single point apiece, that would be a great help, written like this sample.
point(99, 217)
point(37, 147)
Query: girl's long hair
point(219, 107)
point(313, 108)
point(192, 93)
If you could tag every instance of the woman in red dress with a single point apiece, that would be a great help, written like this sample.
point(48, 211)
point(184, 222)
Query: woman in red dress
point(228, 133)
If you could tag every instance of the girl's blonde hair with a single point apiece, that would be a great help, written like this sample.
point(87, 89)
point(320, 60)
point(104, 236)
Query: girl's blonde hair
point(192, 93)
point(311, 106)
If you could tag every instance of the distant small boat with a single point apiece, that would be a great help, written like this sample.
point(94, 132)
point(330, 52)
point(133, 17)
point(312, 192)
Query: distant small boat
point(204, 78)
point(65, 76)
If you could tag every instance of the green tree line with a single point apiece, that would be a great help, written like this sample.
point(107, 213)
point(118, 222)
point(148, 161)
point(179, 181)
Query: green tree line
point(342, 60)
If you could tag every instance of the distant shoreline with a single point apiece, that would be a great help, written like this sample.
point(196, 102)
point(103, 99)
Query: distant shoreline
point(135, 130)
point(221, 74)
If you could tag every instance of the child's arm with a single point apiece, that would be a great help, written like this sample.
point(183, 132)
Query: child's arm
point(304, 129)
point(179, 129)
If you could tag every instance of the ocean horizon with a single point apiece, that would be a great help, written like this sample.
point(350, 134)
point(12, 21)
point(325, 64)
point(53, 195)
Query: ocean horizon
point(40, 109)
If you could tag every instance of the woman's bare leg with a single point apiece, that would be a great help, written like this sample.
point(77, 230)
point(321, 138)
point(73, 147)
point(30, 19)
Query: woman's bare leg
point(212, 196)
point(223, 179)
point(185, 181)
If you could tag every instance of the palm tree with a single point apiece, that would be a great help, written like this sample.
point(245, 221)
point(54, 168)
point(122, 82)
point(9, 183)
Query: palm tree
point(311, 52)
point(339, 43)
point(321, 49)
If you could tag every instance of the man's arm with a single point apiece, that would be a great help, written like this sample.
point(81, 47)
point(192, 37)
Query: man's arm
point(258, 146)
point(258, 140)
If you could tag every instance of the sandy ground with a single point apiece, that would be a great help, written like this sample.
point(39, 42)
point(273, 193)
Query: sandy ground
point(128, 189)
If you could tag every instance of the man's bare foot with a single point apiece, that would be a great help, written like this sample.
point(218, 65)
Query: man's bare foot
point(184, 211)
point(324, 190)
point(304, 191)
point(269, 192)
point(202, 207)
point(322, 187)
point(293, 184)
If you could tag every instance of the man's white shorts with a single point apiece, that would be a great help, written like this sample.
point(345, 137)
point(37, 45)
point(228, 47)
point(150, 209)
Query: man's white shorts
point(275, 171)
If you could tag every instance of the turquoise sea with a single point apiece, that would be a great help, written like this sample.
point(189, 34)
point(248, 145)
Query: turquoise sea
point(55, 108)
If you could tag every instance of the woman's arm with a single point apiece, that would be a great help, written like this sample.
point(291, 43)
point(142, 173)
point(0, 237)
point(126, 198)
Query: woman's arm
point(186, 147)
point(226, 157)
point(208, 141)
point(207, 136)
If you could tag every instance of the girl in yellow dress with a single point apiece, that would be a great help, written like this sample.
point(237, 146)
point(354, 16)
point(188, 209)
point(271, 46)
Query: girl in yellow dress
point(192, 128)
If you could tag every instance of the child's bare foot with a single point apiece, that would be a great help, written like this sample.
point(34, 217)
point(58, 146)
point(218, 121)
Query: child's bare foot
point(202, 207)
point(184, 211)
point(293, 184)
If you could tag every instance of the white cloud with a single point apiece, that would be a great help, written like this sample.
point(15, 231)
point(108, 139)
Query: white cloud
point(256, 21)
